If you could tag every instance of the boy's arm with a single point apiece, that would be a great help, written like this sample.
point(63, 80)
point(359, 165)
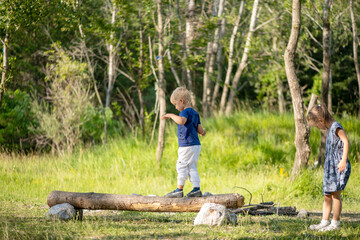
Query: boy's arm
point(201, 130)
point(344, 139)
point(179, 120)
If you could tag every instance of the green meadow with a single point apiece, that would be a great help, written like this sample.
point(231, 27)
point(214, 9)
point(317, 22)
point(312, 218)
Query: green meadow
point(252, 150)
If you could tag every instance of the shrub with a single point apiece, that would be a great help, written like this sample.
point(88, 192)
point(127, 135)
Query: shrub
point(15, 119)
point(63, 112)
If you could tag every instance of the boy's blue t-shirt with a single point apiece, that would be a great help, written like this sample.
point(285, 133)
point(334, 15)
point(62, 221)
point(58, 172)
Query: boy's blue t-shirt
point(187, 133)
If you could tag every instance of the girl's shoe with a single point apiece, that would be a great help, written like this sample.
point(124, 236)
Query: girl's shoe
point(331, 227)
point(321, 225)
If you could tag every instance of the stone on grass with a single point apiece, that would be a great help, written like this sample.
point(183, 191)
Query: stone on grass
point(303, 213)
point(214, 214)
point(63, 211)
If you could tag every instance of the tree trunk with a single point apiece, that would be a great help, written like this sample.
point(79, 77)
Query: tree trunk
point(244, 58)
point(212, 51)
point(206, 81)
point(281, 98)
point(312, 102)
point(190, 32)
point(230, 60)
point(5, 66)
point(326, 54)
point(183, 44)
point(112, 53)
point(326, 72)
point(161, 85)
point(220, 63)
point(355, 46)
point(141, 75)
point(101, 201)
point(302, 130)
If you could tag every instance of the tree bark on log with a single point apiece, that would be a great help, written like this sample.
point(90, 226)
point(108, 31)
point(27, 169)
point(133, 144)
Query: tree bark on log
point(101, 201)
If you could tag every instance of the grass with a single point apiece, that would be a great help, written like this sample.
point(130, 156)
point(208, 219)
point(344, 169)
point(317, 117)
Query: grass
point(250, 150)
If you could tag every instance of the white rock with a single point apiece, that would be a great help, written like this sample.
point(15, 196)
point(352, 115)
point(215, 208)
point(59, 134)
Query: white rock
point(214, 214)
point(63, 211)
point(303, 213)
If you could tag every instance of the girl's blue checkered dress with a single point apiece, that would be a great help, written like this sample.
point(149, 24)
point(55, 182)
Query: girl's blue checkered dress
point(333, 180)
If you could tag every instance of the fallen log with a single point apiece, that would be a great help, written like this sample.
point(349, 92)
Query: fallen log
point(101, 201)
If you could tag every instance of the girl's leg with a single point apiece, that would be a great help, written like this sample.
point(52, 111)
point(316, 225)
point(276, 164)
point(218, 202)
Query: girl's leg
point(336, 199)
point(326, 214)
point(327, 207)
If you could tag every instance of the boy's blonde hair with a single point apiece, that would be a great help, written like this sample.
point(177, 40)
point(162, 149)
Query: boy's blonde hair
point(180, 93)
point(320, 113)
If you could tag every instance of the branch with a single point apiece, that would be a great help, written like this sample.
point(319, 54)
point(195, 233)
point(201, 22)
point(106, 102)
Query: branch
point(151, 60)
point(307, 14)
point(268, 21)
point(313, 38)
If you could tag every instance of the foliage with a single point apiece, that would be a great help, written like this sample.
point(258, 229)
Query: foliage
point(15, 119)
point(62, 115)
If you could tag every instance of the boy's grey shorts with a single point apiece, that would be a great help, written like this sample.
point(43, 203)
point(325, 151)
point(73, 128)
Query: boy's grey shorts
point(187, 165)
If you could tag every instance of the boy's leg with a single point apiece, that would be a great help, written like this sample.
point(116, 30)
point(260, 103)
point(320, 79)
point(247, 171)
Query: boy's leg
point(193, 173)
point(184, 155)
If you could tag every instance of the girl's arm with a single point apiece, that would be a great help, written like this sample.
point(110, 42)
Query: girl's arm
point(344, 139)
point(201, 130)
point(179, 120)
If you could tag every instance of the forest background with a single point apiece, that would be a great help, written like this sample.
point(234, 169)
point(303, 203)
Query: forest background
point(84, 83)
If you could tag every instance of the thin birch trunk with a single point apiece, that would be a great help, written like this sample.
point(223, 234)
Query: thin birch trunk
point(141, 75)
point(206, 81)
point(280, 92)
point(302, 130)
point(190, 31)
point(230, 60)
point(326, 72)
point(219, 62)
point(355, 46)
point(183, 44)
point(244, 58)
point(112, 53)
point(161, 85)
point(326, 53)
point(213, 49)
point(5, 65)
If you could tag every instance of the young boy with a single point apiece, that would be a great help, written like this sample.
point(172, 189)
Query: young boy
point(189, 145)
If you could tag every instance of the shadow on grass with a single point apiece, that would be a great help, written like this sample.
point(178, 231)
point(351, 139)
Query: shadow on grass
point(142, 225)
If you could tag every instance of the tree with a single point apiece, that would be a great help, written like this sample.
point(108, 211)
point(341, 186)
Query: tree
point(212, 50)
point(326, 73)
point(230, 60)
point(355, 47)
point(161, 87)
point(302, 129)
point(16, 14)
point(189, 36)
point(243, 62)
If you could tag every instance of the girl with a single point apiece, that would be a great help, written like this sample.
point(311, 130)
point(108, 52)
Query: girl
point(336, 167)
